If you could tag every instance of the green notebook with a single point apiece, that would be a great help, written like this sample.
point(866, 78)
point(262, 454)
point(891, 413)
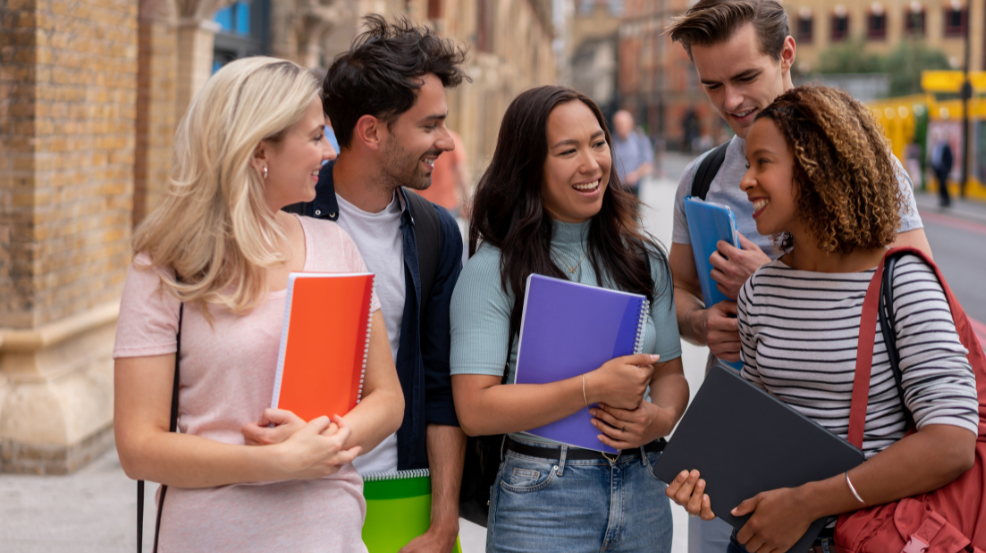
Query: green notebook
point(398, 509)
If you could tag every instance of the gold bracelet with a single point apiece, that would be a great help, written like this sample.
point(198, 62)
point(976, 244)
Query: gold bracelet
point(854, 492)
point(584, 398)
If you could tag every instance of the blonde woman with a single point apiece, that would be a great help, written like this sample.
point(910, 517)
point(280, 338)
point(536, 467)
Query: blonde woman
point(219, 250)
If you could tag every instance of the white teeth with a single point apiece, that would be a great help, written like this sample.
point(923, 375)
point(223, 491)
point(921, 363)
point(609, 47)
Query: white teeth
point(586, 187)
point(760, 204)
point(743, 114)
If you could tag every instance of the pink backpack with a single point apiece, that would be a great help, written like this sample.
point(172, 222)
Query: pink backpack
point(949, 519)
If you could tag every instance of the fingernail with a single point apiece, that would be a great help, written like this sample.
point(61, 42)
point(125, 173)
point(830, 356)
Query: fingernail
point(733, 512)
point(655, 357)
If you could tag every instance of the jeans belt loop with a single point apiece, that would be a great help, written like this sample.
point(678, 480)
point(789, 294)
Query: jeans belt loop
point(614, 459)
point(561, 460)
point(643, 457)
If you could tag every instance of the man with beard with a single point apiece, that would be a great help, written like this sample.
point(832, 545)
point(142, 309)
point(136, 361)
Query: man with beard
point(385, 98)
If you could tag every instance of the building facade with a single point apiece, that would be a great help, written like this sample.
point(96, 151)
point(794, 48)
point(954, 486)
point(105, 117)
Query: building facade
point(91, 93)
point(881, 25)
point(658, 81)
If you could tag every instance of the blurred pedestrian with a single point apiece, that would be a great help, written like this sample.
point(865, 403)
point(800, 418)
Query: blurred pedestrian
point(204, 304)
point(743, 53)
point(550, 203)
point(634, 154)
point(941, 164)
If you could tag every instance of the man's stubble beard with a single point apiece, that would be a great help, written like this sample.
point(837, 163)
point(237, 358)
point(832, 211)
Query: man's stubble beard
point(401, 167)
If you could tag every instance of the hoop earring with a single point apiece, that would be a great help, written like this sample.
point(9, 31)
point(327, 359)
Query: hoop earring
point(265, 172)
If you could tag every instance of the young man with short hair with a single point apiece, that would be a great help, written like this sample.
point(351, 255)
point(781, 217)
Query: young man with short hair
point(386, 100)
point(743, 53)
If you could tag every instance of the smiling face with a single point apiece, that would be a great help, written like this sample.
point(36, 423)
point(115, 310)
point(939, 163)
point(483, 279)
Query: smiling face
point(577, 168)
point(417, 137)
point(741, 80)
point(769, 181)
point(293, 162)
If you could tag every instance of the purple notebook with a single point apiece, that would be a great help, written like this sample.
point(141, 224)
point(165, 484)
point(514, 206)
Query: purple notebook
point(569, 329)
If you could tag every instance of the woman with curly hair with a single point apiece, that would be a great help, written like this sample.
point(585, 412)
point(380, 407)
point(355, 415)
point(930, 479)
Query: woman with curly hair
point(821, 182)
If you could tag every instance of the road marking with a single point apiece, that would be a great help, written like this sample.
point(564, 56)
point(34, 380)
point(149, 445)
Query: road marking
point(947, 221)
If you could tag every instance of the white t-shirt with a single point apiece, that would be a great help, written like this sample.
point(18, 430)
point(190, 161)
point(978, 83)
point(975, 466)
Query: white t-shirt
point(381, 243)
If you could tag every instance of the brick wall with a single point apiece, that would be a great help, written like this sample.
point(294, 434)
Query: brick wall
point(156, 120)
point(67, 113)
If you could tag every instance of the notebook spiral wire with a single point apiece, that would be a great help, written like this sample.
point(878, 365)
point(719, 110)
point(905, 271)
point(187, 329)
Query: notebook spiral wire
point(366, 348)
point(638, 346)
point(399, 475)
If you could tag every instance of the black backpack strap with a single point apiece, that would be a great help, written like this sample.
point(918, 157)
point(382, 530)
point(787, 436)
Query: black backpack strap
point(707, 171)
point(428, 237)
point(888, 326)
point(172, 427)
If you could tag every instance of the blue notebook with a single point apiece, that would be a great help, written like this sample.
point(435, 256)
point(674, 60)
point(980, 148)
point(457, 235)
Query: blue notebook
point(708, 223)
point(569, 329)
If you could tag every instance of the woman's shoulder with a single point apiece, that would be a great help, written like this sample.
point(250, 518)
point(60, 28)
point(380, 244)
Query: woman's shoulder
point(487, 257)
point(481, 273)
point(329, 247)
point(321, 228)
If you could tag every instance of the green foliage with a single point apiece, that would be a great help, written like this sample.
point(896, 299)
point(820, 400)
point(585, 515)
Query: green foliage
point(904, 64)
point(907, 61)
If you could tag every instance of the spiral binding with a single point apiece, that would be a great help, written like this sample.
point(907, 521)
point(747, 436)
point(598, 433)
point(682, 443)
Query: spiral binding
point(366, 346)
point(399, 475)
point(638, 346)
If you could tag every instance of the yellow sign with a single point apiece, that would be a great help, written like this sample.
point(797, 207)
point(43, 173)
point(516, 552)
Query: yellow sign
point(951, 81)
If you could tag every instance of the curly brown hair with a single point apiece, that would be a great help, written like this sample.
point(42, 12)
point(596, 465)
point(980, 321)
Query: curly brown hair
point(845, 182)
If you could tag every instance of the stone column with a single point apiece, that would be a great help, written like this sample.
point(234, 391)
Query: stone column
point(196, 37)
point(67, 116)
point(157, 78)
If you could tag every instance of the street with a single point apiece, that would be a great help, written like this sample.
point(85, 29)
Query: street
point(94, 509)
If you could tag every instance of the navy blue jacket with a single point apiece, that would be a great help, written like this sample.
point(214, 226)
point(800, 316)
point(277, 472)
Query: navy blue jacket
point(423, 353)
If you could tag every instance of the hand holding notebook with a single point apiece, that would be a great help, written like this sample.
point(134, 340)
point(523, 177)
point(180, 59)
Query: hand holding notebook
point(569, 329)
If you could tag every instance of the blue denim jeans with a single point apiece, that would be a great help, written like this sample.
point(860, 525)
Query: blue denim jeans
point(735, 546)
point(546, 506)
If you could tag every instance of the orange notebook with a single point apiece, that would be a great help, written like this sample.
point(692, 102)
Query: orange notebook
point(324, 344)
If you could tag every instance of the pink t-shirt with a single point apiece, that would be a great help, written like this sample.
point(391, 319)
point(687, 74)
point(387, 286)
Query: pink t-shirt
point(227, 380)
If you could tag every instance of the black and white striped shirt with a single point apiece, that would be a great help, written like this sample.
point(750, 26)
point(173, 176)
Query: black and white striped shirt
point(799, 331)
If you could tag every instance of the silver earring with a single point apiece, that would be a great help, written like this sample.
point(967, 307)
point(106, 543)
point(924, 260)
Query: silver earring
point(265, 172)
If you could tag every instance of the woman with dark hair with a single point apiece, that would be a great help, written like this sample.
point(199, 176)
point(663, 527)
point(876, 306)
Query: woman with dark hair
point(551, 203)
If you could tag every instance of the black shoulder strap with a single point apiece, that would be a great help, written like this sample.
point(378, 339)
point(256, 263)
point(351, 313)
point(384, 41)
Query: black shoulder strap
point(428, 236)
point(172, 427)
point(888, 326)
point(707, 171)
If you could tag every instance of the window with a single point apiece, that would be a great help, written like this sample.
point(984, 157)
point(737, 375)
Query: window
point(235, 18)
point(243, 31)
point(484, 27)
point(914, 21)
point(435, 9)
point(806, 27)
point(840, 27)
point(955, 19)
point(876, 26)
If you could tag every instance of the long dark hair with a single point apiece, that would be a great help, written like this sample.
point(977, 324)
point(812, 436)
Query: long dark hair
point(509, 213)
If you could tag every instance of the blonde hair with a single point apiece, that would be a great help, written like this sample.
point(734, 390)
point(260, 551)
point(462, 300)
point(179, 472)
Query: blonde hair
point(214, 229)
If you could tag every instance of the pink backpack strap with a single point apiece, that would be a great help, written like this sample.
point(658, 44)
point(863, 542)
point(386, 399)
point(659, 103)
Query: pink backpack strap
point(864, 359)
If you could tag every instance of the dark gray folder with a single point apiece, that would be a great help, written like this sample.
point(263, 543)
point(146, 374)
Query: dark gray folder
point(744, 441)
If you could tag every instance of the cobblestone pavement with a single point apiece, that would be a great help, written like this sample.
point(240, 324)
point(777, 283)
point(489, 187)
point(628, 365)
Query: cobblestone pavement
point(94, 510)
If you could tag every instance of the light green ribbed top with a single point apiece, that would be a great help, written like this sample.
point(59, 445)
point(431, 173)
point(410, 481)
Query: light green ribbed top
point(480, 311)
